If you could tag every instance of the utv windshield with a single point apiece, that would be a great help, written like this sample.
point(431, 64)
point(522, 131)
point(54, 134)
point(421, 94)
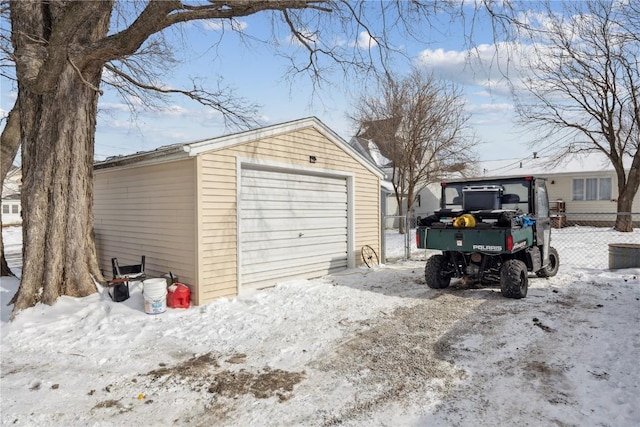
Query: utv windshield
point(509, 194)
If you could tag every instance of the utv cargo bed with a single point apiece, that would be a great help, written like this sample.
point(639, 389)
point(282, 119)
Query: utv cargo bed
point(487, 240)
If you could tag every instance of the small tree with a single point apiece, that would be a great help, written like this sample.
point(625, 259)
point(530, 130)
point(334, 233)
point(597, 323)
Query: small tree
point(582, 84)
point(420, 125)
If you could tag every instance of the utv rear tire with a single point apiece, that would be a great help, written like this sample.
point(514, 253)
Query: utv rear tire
point(433, 272)
point(514, 282)
point(551, 269)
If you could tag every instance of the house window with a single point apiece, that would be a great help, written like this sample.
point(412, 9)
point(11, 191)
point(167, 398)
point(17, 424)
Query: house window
point(605, 189)
point(578, 189)
point(5, 209)
point(591, 189)
point(14, 209)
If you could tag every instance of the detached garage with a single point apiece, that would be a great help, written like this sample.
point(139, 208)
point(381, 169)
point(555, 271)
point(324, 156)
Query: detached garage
point(242, 211)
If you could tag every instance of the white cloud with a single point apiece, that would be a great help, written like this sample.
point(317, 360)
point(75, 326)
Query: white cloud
point(119, 124)
point(493, 67)
point(498, 108)
point(441, 58)
point(224, 25)
point(365, 41)
point(114, 106)
point(173, 111)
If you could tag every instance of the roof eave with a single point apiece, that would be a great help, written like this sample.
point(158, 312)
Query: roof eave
point(146, 158)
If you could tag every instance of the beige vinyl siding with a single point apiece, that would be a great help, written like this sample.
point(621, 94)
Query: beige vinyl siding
point(562, 188)
point(218, 226)
point(151, 211)
point(367, 213)
point(218, 235)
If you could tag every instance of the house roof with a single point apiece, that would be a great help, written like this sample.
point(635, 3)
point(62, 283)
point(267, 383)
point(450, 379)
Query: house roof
point(185, 150)
point(570, 164)
point(359, 144)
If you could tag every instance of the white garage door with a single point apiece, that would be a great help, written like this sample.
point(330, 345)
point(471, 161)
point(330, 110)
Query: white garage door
point(291, 226)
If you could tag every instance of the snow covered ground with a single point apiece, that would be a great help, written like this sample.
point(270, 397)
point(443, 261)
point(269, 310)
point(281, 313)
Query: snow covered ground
point(361, 348)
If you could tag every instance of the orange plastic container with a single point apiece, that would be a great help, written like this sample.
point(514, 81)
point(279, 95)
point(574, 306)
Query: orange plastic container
point(178, 296)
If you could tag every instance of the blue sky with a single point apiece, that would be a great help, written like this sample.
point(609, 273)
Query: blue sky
point(258, 75)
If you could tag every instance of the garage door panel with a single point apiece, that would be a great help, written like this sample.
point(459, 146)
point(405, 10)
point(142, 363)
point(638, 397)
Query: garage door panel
point(332, 186)
point(253, 186)
point(283, 224)
point(288, 205)
point(273, 236)
point(253, 258)
point(289, 196)
point(292, 243)
point(291, 225)
point(261, 176)
point(266, 278)
point(293, 214)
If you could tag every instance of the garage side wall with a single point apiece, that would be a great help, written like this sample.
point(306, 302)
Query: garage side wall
point(218, 193)
point(148, 210)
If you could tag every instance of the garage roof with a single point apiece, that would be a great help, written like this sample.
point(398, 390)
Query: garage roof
point(185, 150)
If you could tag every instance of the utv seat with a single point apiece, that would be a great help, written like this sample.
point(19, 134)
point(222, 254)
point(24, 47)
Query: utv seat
point(510, 198)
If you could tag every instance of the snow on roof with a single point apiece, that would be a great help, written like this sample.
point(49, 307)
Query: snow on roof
point(370, 150)
point(387, 186)
point(573, 163)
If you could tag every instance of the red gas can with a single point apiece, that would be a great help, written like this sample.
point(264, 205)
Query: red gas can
point(178, 296)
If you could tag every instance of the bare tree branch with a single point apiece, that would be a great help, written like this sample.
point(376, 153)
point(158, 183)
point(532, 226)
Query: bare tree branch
point(161, 14)
point(236, 111)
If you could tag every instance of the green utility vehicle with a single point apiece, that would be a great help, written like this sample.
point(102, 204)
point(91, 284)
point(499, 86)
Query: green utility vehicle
point(490, 231)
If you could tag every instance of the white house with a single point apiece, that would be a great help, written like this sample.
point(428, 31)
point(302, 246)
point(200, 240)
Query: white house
point(11, 205)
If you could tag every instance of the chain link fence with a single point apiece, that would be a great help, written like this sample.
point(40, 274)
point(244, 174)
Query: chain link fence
point(572, 233)
point(582, 239)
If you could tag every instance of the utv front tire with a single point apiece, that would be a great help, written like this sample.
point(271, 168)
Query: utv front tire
point(552, 268)
point(433, 272)
point(514, 282)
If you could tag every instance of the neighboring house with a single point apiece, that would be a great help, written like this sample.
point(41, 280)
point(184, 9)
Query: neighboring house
point(241, 211)
point(582, 188)
point(583, 183)
point(11, 210)
point(11, 205)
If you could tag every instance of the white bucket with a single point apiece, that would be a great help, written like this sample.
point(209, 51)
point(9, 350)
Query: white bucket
point(155, 296)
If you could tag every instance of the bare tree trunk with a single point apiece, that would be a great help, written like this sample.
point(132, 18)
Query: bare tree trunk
point(627, 190)
point(624, 220)
point(9, 144)
point(57, 103)
point(58, 129)
point(399, 199)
